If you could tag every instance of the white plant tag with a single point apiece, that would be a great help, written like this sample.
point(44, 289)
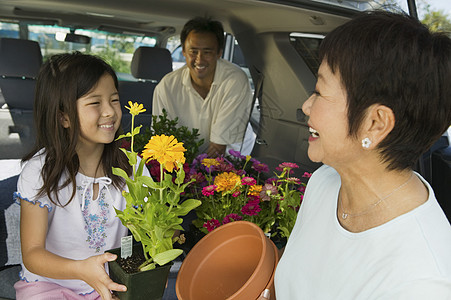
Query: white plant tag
point(126, 246)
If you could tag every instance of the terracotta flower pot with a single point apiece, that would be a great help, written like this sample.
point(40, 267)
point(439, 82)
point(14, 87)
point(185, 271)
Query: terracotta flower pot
point(235, 261)
point(146, 285)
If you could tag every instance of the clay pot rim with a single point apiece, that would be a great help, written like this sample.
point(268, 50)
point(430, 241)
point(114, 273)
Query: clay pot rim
point(263, 254)
point(268, 248)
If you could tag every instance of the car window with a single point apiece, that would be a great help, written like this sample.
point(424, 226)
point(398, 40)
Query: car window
point(307, 46)
point(116, 49)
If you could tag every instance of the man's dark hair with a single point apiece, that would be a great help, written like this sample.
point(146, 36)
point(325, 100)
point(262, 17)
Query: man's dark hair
point(204, 25)
point(394, 60)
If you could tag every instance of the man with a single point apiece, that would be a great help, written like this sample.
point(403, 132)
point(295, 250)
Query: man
point(208, 93)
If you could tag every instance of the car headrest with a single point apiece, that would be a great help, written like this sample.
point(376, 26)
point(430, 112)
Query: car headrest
point(19, 58)
point(151, 63)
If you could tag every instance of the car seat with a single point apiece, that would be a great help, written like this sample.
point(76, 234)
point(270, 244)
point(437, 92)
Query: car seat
point(20, 61)
point(435, 167)
point(148, 66)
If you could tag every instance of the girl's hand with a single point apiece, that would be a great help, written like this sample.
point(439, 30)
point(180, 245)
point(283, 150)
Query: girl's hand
point(92, 271)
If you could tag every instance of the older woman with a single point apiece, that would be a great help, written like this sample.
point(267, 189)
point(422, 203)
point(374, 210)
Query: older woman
point(369, 226)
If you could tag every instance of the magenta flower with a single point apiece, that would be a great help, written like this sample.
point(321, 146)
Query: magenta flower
point(231, 217)
point(209, 190)
point(212, 224)
point(307, 175)
point(223, 166)
point(236, 194)
point(272, 180)
point(248, 181)
point(239, 172)
point(198, 177)
point(252, 208)
point(301, 188)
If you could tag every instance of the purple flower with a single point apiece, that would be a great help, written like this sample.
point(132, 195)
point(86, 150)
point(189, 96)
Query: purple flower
point(260, 167)
point(231, 217)
point(236, 154)
point(268, 190)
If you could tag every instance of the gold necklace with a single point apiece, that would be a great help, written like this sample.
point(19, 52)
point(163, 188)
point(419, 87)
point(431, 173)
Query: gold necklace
point(345, 215)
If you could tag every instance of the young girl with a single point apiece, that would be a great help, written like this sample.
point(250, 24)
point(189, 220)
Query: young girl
point(66, 189)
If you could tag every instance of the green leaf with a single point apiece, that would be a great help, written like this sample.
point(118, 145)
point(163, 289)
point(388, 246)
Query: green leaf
point(120, 172)
point(167, 256)
point(147, 266)
point(139, 172)
point(185, 207)
point(148, 181)
point(136, 130)
point(128, 134)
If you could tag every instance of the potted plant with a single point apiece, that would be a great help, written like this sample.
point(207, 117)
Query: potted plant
point(153, 210)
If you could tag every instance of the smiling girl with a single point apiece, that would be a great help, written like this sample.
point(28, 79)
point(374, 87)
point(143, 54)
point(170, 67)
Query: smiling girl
point(66, 189)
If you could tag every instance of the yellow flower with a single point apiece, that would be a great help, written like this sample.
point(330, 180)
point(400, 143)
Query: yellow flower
point(166, 150)
point(255, 190)
point(208, 162)
point(135, 108)
point(227, 181)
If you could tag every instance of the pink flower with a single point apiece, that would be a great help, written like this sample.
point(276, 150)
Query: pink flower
point(307, 175)
point(267, 191)
point(209, 190)
point(288, 165)
point(252, 208)
point(231, 217)
point(294, 180)
point(260, 167)
point(301, 188)
point(236, 194)
point(248, 181)
point(212, 224)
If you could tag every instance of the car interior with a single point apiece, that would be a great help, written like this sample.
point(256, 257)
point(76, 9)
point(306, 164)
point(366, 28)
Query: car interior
point(275, 41)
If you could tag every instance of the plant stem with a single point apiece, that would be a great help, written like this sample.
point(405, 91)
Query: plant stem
point(132, 142)
point(161, 182)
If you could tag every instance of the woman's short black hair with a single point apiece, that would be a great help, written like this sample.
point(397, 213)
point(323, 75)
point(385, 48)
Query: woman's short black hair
point(394, 60)
point(204, 25)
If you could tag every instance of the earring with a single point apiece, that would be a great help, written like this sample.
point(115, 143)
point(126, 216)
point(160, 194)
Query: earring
point(366, 142)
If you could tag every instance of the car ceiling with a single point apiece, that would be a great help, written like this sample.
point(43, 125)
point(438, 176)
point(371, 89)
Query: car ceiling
point(166, 17)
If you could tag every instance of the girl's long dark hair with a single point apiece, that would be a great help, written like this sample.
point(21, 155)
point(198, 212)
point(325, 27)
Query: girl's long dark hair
point(62, 80)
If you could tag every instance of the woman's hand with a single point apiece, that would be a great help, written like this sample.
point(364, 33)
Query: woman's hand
point(92, 271)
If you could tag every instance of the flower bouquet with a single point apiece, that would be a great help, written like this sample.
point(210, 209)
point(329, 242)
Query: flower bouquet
point(154, 208)
point(236, 187)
